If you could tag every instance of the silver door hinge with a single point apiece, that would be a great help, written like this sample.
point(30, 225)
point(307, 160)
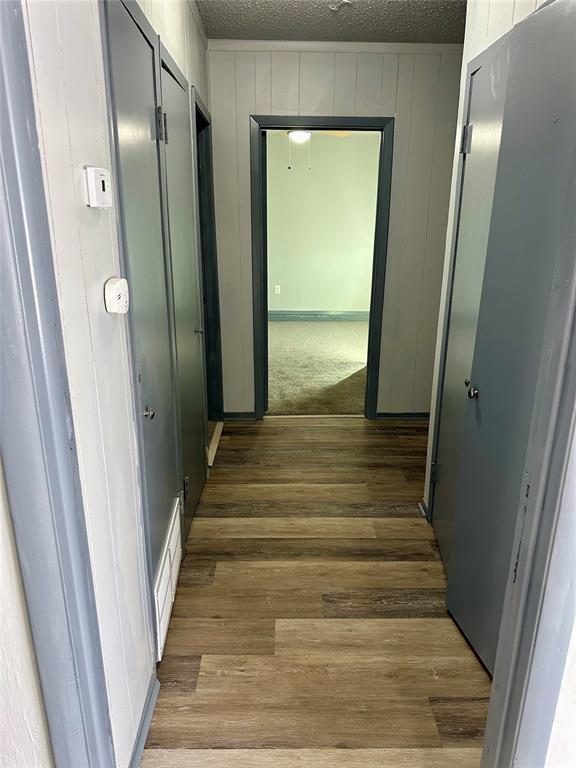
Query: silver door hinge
point(159, 124)
point(433, 472)
point(466, 145)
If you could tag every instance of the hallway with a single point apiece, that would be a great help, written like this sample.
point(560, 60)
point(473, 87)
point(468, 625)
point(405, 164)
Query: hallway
point(309, 625)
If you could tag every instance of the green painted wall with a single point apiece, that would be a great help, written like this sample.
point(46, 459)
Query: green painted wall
point(321, 221)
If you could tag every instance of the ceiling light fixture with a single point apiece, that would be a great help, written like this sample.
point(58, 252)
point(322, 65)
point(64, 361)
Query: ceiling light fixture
point(299, 137)
point(336, 6)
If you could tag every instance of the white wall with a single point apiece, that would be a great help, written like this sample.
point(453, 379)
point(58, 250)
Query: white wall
point(416, 83)
point(179, 25)
point(561, 753)
point(486, 21)
point(321, 210)
point(68, 77)
point(67, 61)
point(24, 740)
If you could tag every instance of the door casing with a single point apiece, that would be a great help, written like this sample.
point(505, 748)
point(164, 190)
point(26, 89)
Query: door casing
point(259, 124)
point(207, 247)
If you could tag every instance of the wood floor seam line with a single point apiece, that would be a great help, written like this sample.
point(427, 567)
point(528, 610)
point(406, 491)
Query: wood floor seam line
point(309, 626)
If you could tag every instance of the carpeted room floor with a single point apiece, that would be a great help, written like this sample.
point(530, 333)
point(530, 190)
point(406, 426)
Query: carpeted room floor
point(317, 367)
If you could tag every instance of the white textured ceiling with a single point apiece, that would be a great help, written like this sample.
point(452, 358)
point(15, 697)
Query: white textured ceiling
point(416, 21)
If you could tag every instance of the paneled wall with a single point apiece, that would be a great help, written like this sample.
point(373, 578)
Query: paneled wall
point(486, 21)
point(416, 83)
point(180, 27)
point(67, 62)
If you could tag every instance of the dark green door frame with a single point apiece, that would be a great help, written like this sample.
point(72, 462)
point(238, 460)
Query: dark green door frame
point(204, 178)
point(259, 124)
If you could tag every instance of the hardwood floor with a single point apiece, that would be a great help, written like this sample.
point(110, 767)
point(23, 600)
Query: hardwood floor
point(309, 627)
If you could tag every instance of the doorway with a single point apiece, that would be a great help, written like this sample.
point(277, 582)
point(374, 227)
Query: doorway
point(321, 212)
point(320, 206)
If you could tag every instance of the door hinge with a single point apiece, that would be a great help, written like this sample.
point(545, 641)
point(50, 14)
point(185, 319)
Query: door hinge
point(433, 472)
point(186, 487)
point(159, 124)
point(165, 118)
point(466, 144)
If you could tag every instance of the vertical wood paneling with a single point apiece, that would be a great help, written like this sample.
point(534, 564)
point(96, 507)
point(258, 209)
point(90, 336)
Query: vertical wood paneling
point(197, 69)
point(414, 227)
point(392, 300)
point(500, 17)
point(245, 106)
point(285, 82)
point(443, 152)
point(263, 85)
point(344, 83)
point(231, 278)
point(316, 84)
point(389, 84)
point(523, 8)
point(341, 83)
point(72, 119)
point(175, 31)
point(368, 100)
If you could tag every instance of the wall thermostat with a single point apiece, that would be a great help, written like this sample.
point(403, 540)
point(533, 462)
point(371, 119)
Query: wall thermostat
point(116, 296)
point(98, 187)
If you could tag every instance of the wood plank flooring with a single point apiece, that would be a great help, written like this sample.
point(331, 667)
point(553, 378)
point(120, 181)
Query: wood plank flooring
point(309, 628)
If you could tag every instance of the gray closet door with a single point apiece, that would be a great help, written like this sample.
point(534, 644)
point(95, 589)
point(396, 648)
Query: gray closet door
point(188, 310)
point(485, 107)
point(134, 94)
point(534, 197)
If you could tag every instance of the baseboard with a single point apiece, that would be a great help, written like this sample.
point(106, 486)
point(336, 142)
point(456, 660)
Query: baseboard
point(213, 447)
point(389, 415)
point(145, 720)
point(239, 416)
point(282, 315)
point(423, 507)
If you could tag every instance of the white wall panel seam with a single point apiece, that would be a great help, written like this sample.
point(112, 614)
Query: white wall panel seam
point(426, 239)
point(395, 236)
point(402, 225)
point(247, 373)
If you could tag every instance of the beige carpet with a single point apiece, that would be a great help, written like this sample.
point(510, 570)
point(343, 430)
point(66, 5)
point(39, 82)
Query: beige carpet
point(317, 367)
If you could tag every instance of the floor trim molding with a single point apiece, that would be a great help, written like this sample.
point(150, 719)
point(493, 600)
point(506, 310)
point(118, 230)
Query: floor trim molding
point(214, 442)
point(312, 315)
point(145, 720)
point(418, 415)
point(239, 416)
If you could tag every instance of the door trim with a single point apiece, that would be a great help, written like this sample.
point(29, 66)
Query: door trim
point(213, 380)
point(38, 443)
point(258, 125)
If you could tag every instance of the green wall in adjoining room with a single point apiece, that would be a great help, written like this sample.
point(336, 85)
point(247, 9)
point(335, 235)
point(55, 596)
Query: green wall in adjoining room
point(321, 220)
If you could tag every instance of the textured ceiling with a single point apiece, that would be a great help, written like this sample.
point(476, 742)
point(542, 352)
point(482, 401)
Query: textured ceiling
point(415, 21)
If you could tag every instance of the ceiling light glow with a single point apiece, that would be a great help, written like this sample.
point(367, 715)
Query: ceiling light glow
point(299, 137)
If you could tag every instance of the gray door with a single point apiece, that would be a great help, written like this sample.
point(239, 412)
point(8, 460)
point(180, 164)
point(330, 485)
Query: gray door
point(188, 311)
point(533, 198)
point(134, 94)
point(486, 103)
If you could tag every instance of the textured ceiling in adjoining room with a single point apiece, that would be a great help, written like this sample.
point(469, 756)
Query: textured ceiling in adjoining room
point(415, 21)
